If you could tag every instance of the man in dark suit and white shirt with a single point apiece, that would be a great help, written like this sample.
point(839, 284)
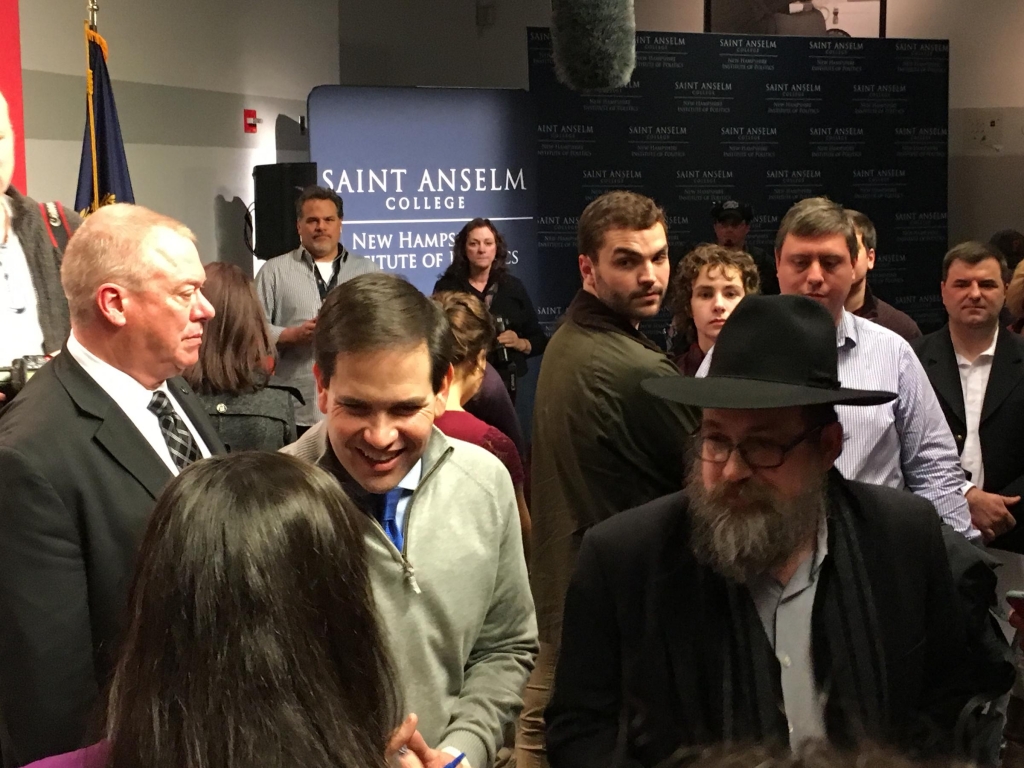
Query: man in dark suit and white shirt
point(977, 371)
point(85, 449)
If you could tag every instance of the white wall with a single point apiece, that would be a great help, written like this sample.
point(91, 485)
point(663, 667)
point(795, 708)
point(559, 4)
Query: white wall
point(986, 83)
point(183, 72)
point(259, 47)
point(437, 42)
point(986, 55)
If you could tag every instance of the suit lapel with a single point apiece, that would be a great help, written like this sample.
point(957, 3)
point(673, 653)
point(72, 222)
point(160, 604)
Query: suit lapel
point(941, 367)
point(115, 431)
point(1007, 372)
point(189, 403)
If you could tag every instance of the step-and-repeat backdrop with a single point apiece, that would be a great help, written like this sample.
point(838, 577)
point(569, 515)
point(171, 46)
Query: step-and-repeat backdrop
point(766, 120)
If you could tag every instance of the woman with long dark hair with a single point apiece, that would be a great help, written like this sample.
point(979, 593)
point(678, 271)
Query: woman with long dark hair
point(478, 267)
point(232, 375)
point(251, 638)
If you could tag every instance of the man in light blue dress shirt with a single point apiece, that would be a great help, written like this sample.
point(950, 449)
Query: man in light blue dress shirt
point(902, 444)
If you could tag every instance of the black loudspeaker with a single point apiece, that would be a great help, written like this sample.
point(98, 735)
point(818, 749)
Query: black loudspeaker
point(278, 186)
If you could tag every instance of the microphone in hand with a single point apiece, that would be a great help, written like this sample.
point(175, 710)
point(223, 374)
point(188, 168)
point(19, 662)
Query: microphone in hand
point(501, 326)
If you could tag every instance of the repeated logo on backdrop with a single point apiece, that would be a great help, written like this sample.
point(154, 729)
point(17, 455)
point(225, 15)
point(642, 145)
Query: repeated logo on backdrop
point(766, 120)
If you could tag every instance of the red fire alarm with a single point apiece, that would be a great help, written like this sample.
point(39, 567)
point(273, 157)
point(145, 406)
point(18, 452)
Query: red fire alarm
point(249, 120)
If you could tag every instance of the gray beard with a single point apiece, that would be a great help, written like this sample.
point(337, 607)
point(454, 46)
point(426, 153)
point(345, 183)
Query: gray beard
point(744, 530)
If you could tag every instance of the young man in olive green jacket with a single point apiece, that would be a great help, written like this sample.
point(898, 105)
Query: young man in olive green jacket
point(601, 444)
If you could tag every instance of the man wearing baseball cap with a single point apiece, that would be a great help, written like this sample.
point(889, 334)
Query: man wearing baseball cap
point(731, 220)
point(771, 601)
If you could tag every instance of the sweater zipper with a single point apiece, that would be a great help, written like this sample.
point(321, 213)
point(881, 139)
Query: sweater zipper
point(407, 568)
point(410, 575)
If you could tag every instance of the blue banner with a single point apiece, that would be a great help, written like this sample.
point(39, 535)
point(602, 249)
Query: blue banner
point(103, 174)
point(413, 165)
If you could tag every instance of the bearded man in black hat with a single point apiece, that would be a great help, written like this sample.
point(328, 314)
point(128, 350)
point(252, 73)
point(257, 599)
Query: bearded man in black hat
point(770, 601)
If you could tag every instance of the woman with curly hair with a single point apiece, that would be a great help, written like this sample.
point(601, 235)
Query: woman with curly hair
point(710, 282)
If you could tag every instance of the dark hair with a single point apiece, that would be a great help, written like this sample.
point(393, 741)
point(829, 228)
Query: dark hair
point(866, 228)
point(710, 255)
point(459, 268)
point(380, 311)
point(973, 252)
point(471, 324)
point(818, 217)
point(615, 210)
point(252, 639)
point(236, 345)
point(319, 193)
point(1010, 243)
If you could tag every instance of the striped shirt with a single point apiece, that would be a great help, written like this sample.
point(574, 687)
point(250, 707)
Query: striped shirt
point(287, 288)
point(905, 443)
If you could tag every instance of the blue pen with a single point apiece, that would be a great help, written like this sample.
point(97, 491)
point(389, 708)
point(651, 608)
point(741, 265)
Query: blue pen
point(456, 761)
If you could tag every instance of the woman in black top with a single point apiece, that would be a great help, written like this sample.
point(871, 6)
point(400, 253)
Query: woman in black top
point(478, 267)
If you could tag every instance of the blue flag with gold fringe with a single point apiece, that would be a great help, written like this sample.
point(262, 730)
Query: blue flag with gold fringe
point(103, 175)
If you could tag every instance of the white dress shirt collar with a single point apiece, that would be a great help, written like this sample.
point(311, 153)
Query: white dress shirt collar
point(989, 352)
point(412, 478)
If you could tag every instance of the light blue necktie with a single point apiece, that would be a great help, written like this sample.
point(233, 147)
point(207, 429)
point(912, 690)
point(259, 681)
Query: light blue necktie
point(387, 508)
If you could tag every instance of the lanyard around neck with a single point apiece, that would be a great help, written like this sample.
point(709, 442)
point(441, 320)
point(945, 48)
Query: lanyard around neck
point(321, 286)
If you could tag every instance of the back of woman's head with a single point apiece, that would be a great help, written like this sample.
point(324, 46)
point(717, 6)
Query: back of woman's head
point(251, 636)
point(471, 324)
point(236, 345)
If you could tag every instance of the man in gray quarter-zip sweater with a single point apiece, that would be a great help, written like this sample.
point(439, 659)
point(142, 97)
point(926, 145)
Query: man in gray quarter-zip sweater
point(440, 520)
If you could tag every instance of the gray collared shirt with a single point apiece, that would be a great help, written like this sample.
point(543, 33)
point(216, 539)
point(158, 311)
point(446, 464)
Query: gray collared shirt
point(287, 288)
point(785, 612)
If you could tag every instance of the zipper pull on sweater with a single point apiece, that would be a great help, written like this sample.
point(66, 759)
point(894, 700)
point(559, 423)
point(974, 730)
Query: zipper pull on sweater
point(410, 576)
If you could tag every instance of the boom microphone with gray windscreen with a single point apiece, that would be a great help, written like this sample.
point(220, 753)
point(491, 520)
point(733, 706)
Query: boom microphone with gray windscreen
point(594, 43)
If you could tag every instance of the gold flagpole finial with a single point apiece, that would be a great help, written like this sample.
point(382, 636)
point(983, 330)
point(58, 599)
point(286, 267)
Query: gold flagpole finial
point(93, 8)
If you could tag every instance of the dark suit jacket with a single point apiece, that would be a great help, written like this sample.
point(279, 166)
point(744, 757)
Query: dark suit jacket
point(79, 482)
point(1001, 430)
point(640, 660)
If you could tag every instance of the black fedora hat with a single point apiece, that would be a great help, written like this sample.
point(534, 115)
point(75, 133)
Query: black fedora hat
point(774, 352)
